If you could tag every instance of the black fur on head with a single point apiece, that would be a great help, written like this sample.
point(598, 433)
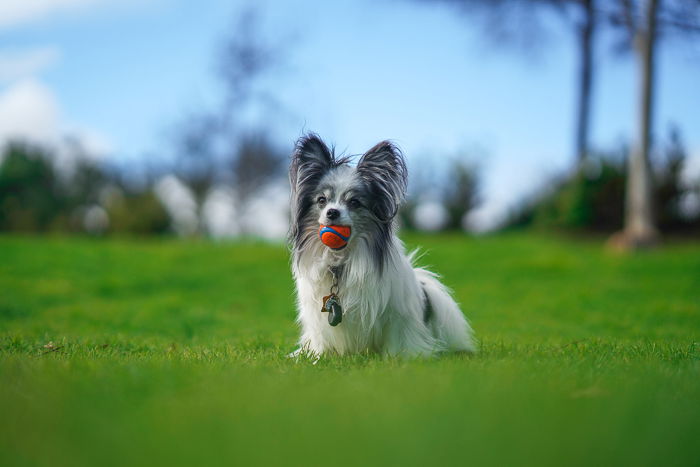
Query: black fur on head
point(383, 170)
point(311, 159)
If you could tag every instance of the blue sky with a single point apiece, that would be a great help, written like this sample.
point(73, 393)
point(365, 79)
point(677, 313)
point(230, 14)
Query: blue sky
point(119, 74)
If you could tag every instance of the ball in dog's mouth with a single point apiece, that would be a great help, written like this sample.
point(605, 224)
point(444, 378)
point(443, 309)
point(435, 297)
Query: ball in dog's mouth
point(334, 236)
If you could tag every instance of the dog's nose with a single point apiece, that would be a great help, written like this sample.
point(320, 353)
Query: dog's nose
point(332, 214)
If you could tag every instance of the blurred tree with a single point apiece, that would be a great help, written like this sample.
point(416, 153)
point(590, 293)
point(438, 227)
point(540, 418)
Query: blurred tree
point(642, 23)
point(453, 187)
point(243, 60)
point(212, 146)
point(520, 23)
point(255, 163)
point(83, 178)
point(669, 184)
point(196, 138)
point(461, 194)
point(585, 33)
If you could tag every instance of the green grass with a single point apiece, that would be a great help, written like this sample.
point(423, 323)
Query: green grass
point(173, 353)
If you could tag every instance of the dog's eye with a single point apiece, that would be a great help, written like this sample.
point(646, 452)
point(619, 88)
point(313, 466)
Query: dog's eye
point(321, 200)
point(354, 203)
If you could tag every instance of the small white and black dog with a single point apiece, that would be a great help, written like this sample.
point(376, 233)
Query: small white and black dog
point(363, 294)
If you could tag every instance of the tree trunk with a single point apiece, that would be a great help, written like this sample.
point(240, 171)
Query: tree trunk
point(639, 220)
point(586, 32)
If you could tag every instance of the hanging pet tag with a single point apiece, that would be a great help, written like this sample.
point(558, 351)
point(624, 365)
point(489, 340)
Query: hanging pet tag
point(331, 304)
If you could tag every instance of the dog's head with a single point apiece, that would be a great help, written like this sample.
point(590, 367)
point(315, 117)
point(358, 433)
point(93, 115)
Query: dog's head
point(329, 191)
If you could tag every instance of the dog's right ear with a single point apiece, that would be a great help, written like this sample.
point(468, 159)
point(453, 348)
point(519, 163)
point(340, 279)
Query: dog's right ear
point(310, 160)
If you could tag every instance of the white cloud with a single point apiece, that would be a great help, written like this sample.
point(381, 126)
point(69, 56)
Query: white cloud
point(15, 12)
point(16, 64)
point(29, 111)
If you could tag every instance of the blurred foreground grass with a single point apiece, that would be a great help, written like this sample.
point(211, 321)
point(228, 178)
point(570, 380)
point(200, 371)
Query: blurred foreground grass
point(172, 353)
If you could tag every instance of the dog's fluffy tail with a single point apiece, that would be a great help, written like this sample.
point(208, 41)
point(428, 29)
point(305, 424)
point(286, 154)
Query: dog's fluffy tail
point(446, 320)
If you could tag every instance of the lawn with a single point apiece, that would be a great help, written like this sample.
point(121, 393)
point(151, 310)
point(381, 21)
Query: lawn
point(166, 352)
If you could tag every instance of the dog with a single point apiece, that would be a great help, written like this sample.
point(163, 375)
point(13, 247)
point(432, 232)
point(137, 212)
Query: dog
point(362, 294)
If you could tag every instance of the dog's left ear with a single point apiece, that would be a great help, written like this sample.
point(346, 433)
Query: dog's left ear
point(383, 168)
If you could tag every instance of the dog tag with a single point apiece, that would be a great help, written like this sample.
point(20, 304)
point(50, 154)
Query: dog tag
point(331, 304)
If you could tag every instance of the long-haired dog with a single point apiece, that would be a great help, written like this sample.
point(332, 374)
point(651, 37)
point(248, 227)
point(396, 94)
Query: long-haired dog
point(357, 289)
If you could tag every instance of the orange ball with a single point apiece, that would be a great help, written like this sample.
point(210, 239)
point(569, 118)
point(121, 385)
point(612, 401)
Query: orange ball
point(334, 236)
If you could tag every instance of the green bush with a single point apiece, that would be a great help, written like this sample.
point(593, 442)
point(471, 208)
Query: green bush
point(35, 196)
point(31, 198)
point(593, 197)
point(139, 213)
point(587, 200)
